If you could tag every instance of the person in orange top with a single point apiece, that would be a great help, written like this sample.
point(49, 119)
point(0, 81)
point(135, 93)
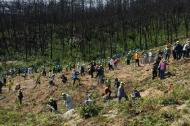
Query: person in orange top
point(137, 57)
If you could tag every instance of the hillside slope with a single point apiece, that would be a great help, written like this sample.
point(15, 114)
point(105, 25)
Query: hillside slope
point(160, 104)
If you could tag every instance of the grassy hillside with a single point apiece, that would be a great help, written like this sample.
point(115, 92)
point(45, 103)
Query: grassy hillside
point(161, 103)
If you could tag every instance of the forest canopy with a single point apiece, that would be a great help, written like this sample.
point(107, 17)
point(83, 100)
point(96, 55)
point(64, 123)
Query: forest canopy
point(88, 28)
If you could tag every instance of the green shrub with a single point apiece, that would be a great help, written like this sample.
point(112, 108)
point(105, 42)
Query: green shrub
point(185, 110)
point(168, 101)
point(152, 119)
point(168, 116)
point(89, 111)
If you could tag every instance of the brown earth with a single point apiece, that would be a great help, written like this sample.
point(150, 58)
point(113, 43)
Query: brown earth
point(35, 99)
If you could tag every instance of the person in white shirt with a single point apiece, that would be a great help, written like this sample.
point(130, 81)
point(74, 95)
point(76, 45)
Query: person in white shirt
point(150, 57)
point(110, 64)
point(78, 67)
point(186, 49)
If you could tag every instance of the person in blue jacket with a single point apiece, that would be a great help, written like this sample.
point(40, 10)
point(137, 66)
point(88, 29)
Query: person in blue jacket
point(75, 77)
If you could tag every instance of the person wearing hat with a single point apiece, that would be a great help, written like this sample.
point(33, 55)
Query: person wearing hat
point(68, 100)
point(178, 50)
point(17, 87)
point(162, 67)
point(75, 77)
point(137, 57)
point(121, 92)
point(20, 96)
point(52, 104)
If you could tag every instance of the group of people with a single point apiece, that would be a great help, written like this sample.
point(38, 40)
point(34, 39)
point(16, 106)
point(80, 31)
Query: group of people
point(119, 91)
point(159, 67)
point(67, 100)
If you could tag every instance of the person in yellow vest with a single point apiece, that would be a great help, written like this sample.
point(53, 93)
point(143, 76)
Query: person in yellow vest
point(137, 57)
point(10, 84)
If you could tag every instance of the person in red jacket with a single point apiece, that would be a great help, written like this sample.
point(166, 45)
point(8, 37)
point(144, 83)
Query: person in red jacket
point(116, 61)
point(107, 91)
